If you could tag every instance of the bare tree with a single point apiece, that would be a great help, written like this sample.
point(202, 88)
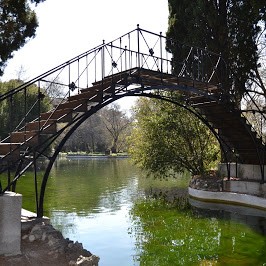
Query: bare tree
point(21, 73)
point(116, 123)
point(55, 89)
point(91, 136)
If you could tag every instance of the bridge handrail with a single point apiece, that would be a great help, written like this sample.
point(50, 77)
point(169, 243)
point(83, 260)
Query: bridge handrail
point(84, 54)
point(147, 52)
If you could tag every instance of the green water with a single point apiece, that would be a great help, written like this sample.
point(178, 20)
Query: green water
point(167, 236)
point(104, 204)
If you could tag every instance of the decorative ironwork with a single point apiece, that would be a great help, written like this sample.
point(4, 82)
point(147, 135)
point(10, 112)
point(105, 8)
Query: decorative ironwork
point(135, 64)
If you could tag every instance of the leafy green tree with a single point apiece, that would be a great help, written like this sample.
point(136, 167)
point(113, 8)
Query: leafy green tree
point(18, 24)
point(13, 110)
point(227, 27)
point(168, 139)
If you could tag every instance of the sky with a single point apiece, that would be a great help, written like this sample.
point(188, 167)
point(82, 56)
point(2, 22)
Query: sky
point(70, 27)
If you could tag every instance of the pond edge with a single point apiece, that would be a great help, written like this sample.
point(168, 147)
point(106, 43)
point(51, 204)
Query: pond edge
point(230, 198)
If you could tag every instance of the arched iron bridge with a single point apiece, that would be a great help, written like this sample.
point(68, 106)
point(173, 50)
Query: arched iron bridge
point(135, 64)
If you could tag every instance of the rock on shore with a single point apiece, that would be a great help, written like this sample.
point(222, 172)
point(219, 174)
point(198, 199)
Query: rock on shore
point(41, 244)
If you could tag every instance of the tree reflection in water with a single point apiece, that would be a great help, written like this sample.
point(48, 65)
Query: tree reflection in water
point(178, 234)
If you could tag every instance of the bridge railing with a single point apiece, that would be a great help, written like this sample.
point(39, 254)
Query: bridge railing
point(138, 48)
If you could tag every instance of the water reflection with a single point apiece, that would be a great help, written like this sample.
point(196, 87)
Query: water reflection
point(106, 205)
point(102, 195)
point(254, 218)
point(178, 234)
point(91, 186)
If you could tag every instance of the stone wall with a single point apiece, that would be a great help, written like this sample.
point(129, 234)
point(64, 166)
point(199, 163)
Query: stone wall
point(245, 187)
point(243, 171)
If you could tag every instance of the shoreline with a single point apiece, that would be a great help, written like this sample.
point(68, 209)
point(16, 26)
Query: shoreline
point(42, 244)
point(87, 156)
point(232, 192)
point(228, 198)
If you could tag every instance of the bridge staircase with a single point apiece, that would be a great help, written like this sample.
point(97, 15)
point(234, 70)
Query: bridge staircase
point(119, 71)
point(241, 139)
point(23, 146)
point(235, 131)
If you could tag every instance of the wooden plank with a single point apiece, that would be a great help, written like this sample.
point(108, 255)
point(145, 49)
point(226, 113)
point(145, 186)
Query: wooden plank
point(62, 115)
point(10, 151)
point(110, 89)
point(83, 95)
point(8, 147)
point(117, 76)
point(76, 106)
point(198, 99)
point(93, 88)
point(97, 98)
point(30, 137)
point(46, 127)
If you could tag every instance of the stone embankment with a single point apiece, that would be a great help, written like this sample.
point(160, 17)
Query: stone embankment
point(41, 244)
point(235, 191)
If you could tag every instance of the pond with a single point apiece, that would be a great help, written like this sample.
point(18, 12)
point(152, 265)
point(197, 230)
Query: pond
point(104, 204)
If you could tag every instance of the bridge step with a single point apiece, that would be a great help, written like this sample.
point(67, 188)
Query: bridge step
point(87, 96)
point(98, 86)
point(97, 98)
point(227, 124)
point(248, 145)
point(45, 126)
point(83, 95)
point(76, 106)
point(10, 151)
point(121, 78)
point(237, 129)
point(31, 138)
point(94, 95)
point(7, 147)
point(201, 99)
point(206, 105)
point(110, 89)
point(62, 115)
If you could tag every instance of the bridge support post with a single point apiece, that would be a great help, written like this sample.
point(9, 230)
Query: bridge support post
point(10, 223)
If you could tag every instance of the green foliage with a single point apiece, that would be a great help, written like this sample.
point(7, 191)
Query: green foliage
point(229, 28)
point(18, 24)
point(168, 139)
point(13, 110)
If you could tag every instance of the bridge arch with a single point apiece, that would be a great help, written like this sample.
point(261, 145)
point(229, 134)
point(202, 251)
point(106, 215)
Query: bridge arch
point(135, 64)
point(95, 109)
